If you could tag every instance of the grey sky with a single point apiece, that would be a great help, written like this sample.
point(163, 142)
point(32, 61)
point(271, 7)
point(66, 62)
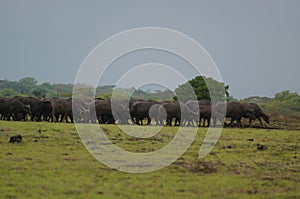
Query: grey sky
point(254, 43)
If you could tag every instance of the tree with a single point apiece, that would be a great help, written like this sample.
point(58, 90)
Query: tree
point(47, 86)
point(39, 92)
point(288, 100)
point(216, 89)
point(27, 85)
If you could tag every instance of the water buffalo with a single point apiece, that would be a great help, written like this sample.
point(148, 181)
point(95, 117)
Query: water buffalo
point(13, 109)
point(120, 110)
point(81, 109)
point(205, 114)
point(204, 106)
point(158, 113)
point(235, 111)
point(104, 111)
point(156, 116)
point(140, 110)
point(61, 109)
point(38, 107)
point(259, 113)
point(180, 111)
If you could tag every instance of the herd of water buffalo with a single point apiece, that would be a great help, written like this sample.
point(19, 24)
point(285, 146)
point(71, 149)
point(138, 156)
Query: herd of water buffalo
point(191, 113)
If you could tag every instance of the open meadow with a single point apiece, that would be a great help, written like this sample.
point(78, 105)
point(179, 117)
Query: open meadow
point(52, 162)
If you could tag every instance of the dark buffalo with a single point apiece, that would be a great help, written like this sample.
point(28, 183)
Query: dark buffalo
point(235, 111)
point(259, 113)
point(14, 109)
point(46, 110)
point(38, 107)
point(205, 114)
point(104, 111)
point(120, 110)
point(171, 110)
point(81, 109)
point(2, 108)
point(92, 109)
point(204, 106)
point(140, 110)
point(180, 111)
point(61, 109)
point(157, 113)
point(15, 138)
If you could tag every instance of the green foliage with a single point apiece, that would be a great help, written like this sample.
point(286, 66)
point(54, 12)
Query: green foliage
point(288, 100)
point(7, 92)
point(5, 84)
point(39, 92)
point(285, 102)
point(47, 86)
point(198, 85)
point(105, 96)
point(104, 89)
point(185, 92)
point(27, 85)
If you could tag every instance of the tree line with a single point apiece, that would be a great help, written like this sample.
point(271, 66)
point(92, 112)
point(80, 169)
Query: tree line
point(29, 86)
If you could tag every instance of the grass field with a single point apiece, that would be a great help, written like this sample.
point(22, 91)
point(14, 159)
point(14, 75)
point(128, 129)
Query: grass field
point(51, 162)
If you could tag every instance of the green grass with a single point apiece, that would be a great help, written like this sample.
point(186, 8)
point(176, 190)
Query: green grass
point(51, 162)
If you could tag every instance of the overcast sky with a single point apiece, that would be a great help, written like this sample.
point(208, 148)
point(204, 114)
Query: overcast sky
point(254, 43)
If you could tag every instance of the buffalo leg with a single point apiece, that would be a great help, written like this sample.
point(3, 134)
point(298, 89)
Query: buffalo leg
point(149, 120)
point(261, 122)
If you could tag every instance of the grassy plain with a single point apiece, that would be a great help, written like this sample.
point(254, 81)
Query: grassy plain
point(51, 162)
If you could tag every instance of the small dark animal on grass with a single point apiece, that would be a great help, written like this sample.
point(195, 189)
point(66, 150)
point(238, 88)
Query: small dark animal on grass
point(15, 138)
point(261, 147)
